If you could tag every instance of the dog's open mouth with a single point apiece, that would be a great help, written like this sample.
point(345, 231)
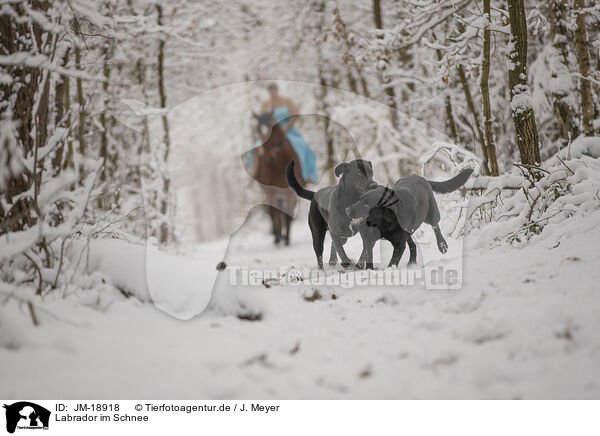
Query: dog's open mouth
point(358, 220)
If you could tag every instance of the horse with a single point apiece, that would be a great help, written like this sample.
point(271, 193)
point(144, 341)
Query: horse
point(270, 161)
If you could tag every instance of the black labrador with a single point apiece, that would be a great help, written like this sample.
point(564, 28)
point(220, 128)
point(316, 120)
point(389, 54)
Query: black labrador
point(328, 206)
point(411, 203)
point(381, 223)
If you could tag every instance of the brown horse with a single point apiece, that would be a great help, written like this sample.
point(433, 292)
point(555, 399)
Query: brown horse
point(270, 161)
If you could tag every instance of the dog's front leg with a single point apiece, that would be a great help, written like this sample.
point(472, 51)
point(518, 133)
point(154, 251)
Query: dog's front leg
point(362, 260)
point(339, 247)
point(369, 255)
point(366, 257)
point(398, 252)
point(332, 255)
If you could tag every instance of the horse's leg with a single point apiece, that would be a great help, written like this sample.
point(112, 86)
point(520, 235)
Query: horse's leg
point(288, 221)
point(277, 220)
point(291, 201)
point(269, 210)
point(282, 220)
point(277, 224)
point(272, 213)
point(288, 225)
point(267, 206)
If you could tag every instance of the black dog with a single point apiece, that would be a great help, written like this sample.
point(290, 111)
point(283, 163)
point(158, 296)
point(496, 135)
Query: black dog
point(381, 223)
point(328, 206)
point(410, 203)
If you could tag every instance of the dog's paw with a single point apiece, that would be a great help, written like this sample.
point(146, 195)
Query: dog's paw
point(347, 264)
point(333, 262)
point(359, 265)
point(443, 246)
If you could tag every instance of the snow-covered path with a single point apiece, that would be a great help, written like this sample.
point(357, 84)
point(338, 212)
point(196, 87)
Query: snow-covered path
point(524, 325)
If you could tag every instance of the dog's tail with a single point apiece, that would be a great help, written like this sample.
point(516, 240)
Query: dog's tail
point(453, 184)
point(293, 182)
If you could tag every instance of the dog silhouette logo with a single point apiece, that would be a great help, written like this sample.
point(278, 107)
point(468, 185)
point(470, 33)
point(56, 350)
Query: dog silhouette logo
point(26, 415)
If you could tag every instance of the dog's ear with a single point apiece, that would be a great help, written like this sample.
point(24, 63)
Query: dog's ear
point(254, 115)
point(341, 168)
point(369, 165)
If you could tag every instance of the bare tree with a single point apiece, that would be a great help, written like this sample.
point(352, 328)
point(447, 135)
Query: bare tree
point(388, 88)
point(20, 97)
point(165, 232)
point(559, 68)
point(520, 97)
point(450, 123)
point(583, 59)
point(354, 73)
point(477, 124)
point(80, 102)
point(490, 144)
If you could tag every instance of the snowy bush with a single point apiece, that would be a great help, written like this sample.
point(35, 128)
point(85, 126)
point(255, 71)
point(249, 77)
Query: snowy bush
point(525, 202)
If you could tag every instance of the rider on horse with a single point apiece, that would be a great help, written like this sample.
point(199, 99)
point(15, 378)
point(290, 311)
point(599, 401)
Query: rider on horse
point(284, 112)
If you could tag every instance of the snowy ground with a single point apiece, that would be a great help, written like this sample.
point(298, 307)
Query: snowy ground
point(524, 325)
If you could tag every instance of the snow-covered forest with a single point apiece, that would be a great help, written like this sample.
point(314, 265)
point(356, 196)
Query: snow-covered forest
point(125, 128)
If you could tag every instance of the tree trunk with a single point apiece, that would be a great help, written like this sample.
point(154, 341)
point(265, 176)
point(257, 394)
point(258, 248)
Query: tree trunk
point(388, 89)
point(471, 106)
point(141, 77)
point(19, 98)
point(583, 60)
point(329, 145)
point(490, 144)
point(377, 14)
point(559, 68)
point(62, 108)
point(351, 81)
point(450, 123)
point(363, 84)
point(520, 97)
point(103, 114)
point(165, 232)
point(81, 103)
point(322, 96)
point(68, 161)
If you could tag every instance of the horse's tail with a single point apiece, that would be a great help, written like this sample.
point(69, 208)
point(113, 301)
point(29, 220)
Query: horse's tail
point(453, 184)
point(297, 187)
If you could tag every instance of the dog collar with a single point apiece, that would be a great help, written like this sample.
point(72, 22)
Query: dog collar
point(387, 196)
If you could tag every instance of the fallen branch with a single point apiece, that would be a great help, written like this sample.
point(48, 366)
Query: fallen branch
point(510, 188)
point(34, 318)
